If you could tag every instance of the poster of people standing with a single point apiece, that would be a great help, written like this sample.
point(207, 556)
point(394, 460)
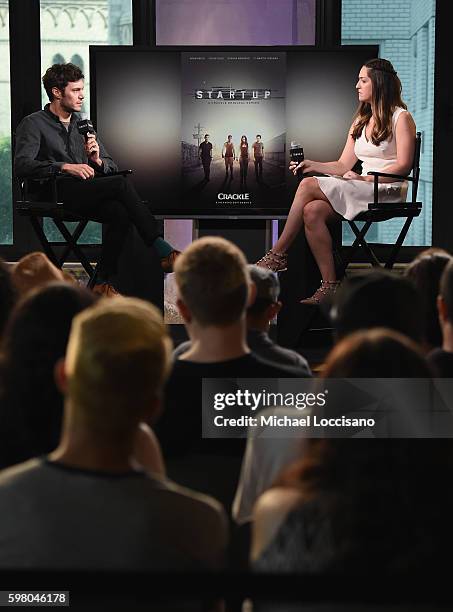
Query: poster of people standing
point(233, 129)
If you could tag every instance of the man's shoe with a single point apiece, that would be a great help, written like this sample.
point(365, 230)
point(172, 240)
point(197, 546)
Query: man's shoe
point(168, 262)
point(105, 290)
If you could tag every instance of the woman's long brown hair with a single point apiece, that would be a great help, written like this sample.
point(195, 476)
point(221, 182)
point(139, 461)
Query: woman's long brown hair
point(385, 97)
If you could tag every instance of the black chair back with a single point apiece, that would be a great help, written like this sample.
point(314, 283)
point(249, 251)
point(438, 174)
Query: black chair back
point(416, 166)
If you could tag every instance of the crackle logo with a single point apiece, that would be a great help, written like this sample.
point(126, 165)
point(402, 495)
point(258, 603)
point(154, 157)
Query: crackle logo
point(237, 197)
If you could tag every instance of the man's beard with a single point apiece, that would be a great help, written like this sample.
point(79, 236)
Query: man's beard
point(68, 109)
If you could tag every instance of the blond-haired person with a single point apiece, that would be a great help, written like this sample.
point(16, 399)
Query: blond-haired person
point(87, 505)
point(214, 288)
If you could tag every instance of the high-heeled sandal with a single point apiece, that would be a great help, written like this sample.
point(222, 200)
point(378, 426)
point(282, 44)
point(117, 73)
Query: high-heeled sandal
point(277, 262)
point(324, 292)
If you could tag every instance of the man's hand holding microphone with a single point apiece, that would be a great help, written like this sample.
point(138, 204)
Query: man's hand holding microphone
point(92, 149)
point(85, 171)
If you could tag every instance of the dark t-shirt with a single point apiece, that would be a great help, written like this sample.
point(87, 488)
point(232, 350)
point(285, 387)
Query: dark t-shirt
point(258, 149)
point(442, 362)
point(179, 428)
point(205, 150)
point(263, 346)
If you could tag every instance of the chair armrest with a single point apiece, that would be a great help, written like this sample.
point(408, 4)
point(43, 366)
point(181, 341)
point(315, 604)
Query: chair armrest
point(117, 173)
point(52, 180)
point(122, 172)
point(376, 175)
point(387, 175)
point(26, 183)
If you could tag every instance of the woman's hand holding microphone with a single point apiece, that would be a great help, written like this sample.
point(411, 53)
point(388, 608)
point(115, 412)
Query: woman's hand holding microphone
point(305, 166)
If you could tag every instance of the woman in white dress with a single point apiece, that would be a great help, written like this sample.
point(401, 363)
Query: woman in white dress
point(382, 136)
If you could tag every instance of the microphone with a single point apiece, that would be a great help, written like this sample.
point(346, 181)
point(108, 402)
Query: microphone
point(85, 127)
point(296, 154)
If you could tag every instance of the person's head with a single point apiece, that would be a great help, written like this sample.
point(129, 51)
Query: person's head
point(425, 272)
point(212, 282)
point(64, 84)
point(229, 137)
point(376, 353)
point(258, 137)
point(206, 137)
point(367, 486)
point(266, 305)
point(377, 299)
point(7, 294)
point(244, 139)
point(379, 91)
point(35, 339)
point(445, 299)
point(33, 271)
point(115, 368)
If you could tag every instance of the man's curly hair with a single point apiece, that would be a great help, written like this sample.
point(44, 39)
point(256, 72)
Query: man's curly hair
point(59, 75)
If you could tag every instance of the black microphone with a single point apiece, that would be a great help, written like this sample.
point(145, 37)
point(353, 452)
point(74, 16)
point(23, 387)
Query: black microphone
point(85, 127)
point(296, 154)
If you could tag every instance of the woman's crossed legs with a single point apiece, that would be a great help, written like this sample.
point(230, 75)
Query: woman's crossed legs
point(311, 208)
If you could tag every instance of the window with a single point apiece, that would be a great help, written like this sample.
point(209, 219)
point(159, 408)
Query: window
point(6, 221)
point(67, 30)
point(235, 22)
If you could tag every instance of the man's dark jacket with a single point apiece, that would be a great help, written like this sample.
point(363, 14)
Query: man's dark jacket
point(43, 145)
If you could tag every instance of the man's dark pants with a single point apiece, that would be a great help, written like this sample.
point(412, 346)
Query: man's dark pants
point(206, 161)
point(258, 167)
point(113, 201)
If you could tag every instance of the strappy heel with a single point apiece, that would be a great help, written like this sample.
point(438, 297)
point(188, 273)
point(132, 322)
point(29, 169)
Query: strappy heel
point(324, 292)
point(277, 262)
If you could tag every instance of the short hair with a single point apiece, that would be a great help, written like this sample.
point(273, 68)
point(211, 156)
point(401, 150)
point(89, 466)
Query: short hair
point(35, 270)
point(206, 135)
point(378, 299)
point(59, 75)
point(117, 362)
point(446, 289)
point(258, 136)
point(230, 136)
point(267, 289)
point(212, 279)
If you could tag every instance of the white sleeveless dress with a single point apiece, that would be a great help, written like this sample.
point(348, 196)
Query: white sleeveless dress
point(348, 197)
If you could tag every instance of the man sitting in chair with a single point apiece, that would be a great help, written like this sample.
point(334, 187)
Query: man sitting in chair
point(48, 143)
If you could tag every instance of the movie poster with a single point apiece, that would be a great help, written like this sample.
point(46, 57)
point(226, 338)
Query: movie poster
point(233, 136)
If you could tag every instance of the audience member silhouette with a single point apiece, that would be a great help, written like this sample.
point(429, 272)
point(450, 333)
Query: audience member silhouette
point(355, 505)
point(86, 505)
point(35, 338)
point(425, 272)
point(7, 295)
point(260, 313)
point(378, 298)
point(213, 290)
point(442, 358)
